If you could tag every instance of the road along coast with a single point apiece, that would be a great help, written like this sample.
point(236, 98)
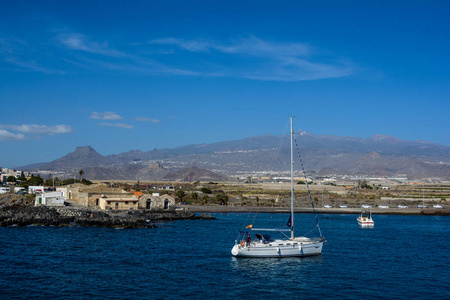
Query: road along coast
point(354, 210)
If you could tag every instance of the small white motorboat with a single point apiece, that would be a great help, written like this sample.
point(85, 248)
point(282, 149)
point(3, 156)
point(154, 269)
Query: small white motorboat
point(365, 219)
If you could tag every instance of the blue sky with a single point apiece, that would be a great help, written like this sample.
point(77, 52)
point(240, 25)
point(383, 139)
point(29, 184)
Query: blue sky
point(123, 75)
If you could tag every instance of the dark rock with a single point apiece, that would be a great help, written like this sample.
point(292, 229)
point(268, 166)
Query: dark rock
point(205, 217)
point(20, 215)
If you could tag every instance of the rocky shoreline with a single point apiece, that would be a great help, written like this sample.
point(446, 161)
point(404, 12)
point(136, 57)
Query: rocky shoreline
point(17, 212)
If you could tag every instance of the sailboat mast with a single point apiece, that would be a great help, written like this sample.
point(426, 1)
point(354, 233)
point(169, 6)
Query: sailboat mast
point(292, 180)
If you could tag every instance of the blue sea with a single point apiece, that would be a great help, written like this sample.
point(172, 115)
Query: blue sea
point(403, 257)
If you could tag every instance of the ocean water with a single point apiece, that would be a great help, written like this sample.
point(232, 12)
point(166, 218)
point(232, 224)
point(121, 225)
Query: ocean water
point(403, 257)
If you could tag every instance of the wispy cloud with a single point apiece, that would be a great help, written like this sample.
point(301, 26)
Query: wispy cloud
point(6, 135)
point(192, 45)
point(78, 41)
point(39, 129)
point(16, 132)
point(16, 52)
point(120, 125)
point(31, 66)
point(251, 57)
point(109, 115)
point(260, 59)
point(106, 115)
point(247, 46)
point(145, 119)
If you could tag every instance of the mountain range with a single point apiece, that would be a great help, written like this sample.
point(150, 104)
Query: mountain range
point(321, 155)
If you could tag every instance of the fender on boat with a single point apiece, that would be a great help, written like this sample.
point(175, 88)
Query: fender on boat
point(235, 250)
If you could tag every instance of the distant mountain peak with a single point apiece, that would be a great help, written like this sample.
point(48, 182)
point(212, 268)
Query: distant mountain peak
point(82, 148)
point(83, 156)
point(85, 151)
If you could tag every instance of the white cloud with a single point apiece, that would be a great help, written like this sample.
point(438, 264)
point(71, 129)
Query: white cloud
point(78, 41)
point(107, 115)
point(259, 59)
point(39, 129)
point(145, 119)
point(17, 53)
point(31, 66)
point(251, 57)
point(6, 135)
point(195, 45)
point(248, 46)
point(120, 125)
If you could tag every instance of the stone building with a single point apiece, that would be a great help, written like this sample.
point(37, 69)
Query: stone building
point(156, 200)
point(102, 196)
point(90, 195)
point(118, 203)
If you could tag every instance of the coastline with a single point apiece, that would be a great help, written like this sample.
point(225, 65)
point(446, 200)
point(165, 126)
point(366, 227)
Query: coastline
point(285, 210)
point(26, 215)
point(19, 211)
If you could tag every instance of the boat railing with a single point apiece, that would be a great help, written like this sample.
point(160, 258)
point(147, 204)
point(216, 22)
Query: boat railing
point(317, 239)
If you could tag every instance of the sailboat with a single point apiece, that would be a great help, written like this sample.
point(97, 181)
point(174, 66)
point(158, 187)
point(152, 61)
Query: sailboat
point(265, 246)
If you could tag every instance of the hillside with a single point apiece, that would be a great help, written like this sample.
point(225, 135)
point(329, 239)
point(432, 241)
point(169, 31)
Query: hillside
point(379, 155)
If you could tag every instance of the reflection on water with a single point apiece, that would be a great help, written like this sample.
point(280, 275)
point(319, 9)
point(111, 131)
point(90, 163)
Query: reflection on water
point(271, 272)
point(265, 265)
point(271, 275)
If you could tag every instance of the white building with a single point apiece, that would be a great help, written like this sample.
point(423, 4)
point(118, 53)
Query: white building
point(5, 190)
point(35, 189)
point(50, 199)
point(18, 190)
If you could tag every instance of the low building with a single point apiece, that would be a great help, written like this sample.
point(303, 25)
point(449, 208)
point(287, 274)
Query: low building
point(50, 199)
point(118, 203)
point(35, 189)
point(90, 195)
point(5, 190)
point(19, 189)
point(156, 200)
point(165, 188)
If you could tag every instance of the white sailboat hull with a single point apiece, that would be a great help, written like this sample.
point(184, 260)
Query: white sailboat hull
point(279, 248)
